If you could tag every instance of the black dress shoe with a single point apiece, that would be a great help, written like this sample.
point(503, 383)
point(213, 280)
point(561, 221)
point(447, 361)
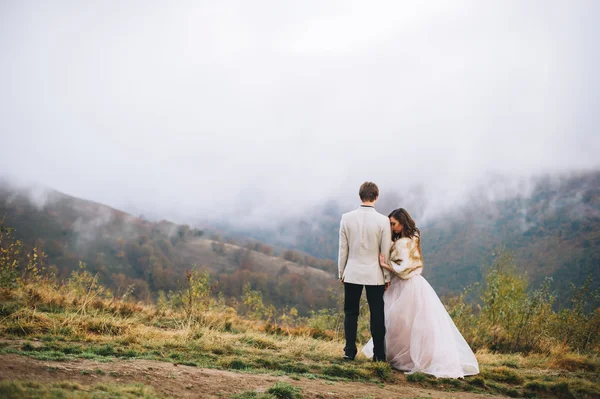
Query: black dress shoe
point(378, 359)
point(348, 357)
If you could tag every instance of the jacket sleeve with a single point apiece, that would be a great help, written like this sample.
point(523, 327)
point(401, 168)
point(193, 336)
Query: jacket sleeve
point(343, 250)
point(385, 247)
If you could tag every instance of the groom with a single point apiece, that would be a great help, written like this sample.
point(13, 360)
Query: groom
point(364, 234)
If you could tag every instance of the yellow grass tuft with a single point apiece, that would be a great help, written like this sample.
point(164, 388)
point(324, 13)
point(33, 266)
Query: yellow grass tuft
point(574, 362)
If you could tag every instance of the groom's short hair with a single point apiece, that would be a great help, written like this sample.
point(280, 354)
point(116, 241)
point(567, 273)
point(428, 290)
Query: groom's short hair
point(368, 192)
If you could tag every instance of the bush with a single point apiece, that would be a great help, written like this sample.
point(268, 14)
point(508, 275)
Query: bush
point(15, 267)
point(255, 305)
point(513, 317)
point(579, 326)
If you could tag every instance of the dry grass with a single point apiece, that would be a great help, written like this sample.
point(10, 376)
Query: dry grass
point(68, 390)
point(565, 360)
point(65, 327)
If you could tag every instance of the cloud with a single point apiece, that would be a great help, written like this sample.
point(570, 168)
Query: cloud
point(252, 111)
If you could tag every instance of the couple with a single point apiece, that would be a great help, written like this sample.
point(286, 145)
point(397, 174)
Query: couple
point(410, 327)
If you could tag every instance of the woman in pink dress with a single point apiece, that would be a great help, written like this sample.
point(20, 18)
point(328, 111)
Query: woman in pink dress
point(420, 335)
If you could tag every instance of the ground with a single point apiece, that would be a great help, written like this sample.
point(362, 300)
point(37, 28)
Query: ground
point(181, 381)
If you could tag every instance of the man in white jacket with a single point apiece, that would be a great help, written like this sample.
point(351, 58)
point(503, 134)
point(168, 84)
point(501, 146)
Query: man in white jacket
point(364, 234)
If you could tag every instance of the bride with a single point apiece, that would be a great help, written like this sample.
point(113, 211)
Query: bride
point(420, 335)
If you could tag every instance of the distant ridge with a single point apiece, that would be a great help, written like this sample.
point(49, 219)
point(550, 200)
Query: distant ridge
point(553, 230)
point(126, 250)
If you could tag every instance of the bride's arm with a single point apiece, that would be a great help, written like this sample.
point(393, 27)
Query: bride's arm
point(392, 266)
point(385, 265)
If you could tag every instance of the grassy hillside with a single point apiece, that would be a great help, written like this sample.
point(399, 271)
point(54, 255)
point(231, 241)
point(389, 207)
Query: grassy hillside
point(73, 338)
point(129, 253)
point(553, 230)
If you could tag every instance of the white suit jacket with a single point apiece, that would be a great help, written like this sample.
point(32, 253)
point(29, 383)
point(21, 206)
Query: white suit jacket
point(364, 234)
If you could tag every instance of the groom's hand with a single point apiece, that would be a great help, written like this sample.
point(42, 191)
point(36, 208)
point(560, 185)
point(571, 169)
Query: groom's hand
point(387, 285)
point(342, 280)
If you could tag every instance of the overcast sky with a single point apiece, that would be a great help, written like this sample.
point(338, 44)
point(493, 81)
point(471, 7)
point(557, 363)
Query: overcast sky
point(203, 108)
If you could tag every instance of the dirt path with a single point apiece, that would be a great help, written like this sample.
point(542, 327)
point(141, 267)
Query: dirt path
point(191, 382)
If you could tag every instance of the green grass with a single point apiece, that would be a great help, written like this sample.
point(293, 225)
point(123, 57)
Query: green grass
point(518, 383)
point(511, 362)
point(70, 390)
point(282, 390)
point(104, 350)
point(59, 334)
point(9, 308)
point(476, 381)
point(348, 372)
point(504, 374)
point(253, 395)
point(563, 388)
point(417, 377)
point(258, 342)
point(468, 384)
point(51, 355)
point(382, 371)
point(237, 364)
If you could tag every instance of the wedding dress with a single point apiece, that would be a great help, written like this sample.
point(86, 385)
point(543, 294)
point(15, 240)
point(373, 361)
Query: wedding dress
point(420, 335)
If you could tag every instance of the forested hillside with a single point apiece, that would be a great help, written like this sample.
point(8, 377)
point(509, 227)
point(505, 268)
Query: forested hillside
point(553, 231)
point(128, 252)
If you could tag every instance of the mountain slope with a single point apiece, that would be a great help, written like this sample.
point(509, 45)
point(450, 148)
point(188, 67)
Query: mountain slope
point(553, 230)
point(125, 250)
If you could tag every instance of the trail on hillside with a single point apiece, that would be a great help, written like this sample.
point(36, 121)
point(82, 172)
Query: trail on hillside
point(191, 382)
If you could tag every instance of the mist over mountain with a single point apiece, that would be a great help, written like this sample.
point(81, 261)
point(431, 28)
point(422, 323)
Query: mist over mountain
point(194, 124)
point(550, 223)
point(125, 251)
point(251, 116)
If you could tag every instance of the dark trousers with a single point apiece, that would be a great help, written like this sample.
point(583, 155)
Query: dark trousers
point(352, 293)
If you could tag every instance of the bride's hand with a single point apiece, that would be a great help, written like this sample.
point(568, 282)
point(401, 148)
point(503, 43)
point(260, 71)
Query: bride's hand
point(382, 261)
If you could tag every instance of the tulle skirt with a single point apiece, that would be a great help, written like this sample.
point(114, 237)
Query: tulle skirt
point(420, 334)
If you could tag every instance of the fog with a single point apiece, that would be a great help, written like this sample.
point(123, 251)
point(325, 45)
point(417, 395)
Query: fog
point(248, 111)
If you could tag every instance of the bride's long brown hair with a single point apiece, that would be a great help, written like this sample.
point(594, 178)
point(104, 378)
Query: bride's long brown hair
point(409, 228)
